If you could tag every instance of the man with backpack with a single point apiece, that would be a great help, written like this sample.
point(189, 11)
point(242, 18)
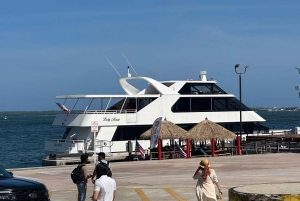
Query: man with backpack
point(101, 159)
point(82, 183)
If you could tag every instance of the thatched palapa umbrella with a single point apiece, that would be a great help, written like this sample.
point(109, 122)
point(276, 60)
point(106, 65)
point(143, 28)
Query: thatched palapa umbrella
point(206, 129)
point(168, 130)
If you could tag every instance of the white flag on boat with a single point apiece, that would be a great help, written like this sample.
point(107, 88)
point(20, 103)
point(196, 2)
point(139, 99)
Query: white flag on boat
point(155, 132)
point(64, 108)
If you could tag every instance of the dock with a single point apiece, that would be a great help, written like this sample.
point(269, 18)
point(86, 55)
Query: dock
point(71, 159)
point(171, 180)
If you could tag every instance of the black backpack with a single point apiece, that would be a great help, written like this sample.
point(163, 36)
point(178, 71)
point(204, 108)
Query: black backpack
point(75, 174)
point(109, 171)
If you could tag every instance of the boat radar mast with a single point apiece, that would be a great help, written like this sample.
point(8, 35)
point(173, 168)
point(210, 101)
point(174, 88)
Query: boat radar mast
point(203, 76)
point(128, 74)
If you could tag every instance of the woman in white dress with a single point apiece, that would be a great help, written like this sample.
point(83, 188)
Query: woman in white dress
point(205, 188)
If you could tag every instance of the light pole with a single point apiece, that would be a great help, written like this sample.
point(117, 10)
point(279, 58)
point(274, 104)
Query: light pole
point(297, 87)
point(240, 86)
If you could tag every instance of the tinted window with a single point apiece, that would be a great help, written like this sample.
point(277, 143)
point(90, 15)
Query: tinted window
point(129, 132)
point(220, 104)
point(134, 132)
point(198, 88)
point(4, 173)
point(194, 104)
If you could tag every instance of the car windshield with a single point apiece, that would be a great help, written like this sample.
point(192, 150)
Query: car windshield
point(4, 173)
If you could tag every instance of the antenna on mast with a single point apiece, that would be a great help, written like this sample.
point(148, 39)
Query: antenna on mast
point(128, 74)
point(112, 66)
point(129, 64)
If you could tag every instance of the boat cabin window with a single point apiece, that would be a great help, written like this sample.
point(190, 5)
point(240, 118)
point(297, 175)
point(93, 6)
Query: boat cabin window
point(199, 88)
point(168, 84)
point(109, 105)
point(129, 132)
point(207, 104)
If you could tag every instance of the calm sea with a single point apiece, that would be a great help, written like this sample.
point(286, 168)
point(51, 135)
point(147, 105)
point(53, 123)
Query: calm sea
point(23, 134)
point(22, 138)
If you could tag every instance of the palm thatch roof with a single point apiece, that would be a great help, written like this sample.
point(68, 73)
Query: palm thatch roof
point(206, 129)
point(168, 130)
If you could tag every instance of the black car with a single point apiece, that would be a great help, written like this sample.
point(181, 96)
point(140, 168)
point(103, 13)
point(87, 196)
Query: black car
point(12, 188)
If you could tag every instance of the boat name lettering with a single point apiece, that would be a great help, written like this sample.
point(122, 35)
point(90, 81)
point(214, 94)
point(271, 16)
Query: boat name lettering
point(57, 144)
point(111, 119)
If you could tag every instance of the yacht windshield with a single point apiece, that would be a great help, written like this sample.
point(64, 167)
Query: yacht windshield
point(201, 88)
point(4, 173)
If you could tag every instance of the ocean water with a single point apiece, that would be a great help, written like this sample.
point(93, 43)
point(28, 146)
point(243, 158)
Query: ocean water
point(22, 139)
point(281, 119)
point(23, 135)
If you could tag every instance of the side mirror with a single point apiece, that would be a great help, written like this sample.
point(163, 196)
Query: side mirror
point(11, 173)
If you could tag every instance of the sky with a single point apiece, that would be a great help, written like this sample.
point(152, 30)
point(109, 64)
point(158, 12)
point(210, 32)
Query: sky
point(50, 48)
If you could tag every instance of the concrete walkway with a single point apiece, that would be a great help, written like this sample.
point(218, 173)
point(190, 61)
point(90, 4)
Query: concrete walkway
point(171, 180)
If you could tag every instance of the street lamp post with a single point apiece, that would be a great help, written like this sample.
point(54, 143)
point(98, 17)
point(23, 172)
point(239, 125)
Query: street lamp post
point(240, 86)
point(297, 87)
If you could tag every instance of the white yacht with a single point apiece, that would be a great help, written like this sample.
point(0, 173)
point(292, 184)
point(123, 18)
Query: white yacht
point(118, 119)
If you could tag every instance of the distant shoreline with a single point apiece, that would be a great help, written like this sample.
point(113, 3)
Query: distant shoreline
point(13, 113)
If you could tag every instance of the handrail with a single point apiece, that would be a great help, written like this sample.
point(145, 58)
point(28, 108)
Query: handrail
point(104, 143)
point(66, 145)
point(64, 140)
point(122, 111)
point(164, 154)
point(109, 111)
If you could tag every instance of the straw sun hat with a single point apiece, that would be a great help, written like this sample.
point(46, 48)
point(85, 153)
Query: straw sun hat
point(203, 163)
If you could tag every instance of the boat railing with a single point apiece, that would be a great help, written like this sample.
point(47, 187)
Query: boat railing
point(280, 131)
point(64, 145)
point(109, 111)
point(65, 141)
point(101, 144)
point(164, 155)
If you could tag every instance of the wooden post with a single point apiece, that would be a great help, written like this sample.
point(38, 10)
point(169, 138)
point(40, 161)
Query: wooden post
point(159, 149)
point(212, 147)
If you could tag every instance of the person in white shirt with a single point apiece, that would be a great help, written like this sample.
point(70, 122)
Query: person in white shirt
point(105, 186)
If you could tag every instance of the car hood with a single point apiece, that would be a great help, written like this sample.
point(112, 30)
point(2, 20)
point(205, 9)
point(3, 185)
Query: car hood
point(16, 183)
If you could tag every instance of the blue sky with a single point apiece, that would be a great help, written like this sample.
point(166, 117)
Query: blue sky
point(50, 48)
